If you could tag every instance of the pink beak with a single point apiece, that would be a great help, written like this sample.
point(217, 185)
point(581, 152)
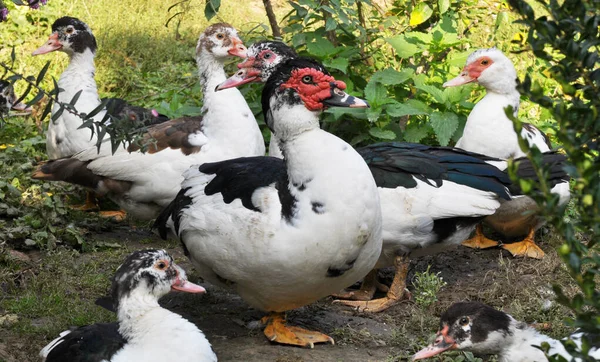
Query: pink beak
point(463, 78)
point(243, 76)
point(186, 286)
point(442, 343)
point(238, 49)
point(51, 45)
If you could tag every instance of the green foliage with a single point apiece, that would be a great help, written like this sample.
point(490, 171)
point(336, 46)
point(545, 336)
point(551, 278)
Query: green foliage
point(427, 286)
point(567, 38)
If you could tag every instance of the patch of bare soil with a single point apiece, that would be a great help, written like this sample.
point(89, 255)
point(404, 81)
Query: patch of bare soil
point(234, 330)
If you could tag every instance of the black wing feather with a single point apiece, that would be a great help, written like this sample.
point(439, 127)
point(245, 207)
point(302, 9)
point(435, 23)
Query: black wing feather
point(397, 164)
point(92, 343)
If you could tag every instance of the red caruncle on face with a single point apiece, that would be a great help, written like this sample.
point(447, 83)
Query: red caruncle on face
point(313, 86)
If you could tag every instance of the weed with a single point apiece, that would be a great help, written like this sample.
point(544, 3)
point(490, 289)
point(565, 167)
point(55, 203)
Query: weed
point(427, 286)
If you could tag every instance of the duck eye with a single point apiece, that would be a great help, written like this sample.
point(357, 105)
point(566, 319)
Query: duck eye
point(464, 321)
point(267, 56)
point(161, 265)
point(70, 30)
point(220, 36)
point(485, 62)
point(307, 79)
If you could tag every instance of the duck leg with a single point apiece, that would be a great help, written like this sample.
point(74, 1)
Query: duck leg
point(367, 289)
point(479, 241)
point(276, 330)
point(90, 203)
point(116, 215)
point(525, 247)
point(396, 293)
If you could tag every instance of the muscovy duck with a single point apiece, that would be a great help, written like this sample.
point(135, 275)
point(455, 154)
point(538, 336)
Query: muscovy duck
point(145, 331)
point(75, 38)
point(489, 131)
point(144, 183)
point(8, 99)
point(284, 233)
point(431, 197)
point(479, 328)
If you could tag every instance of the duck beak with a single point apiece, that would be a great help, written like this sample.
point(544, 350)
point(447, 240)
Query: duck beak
point(443, 342)
point(243, 76)
point(22, 107)
point(237, 48)
point(339, 98)
point(463, 78)
point(181, 283)
point(51, 45)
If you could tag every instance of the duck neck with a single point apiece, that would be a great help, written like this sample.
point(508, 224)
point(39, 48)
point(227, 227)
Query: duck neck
point(522, 340)
point(79, 75)
point(132, 310)
point(210, 71)
point(288, 121)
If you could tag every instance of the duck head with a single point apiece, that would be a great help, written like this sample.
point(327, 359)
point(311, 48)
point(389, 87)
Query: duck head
point(69, 35)
point(490, 68)
point(263, 58)
point(150, 273)
point(222, 41)
point(298, 91)
point(472, 326)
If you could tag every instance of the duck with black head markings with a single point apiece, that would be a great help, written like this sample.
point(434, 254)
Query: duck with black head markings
point(284, 233)
point(8, 99)
point(145, 331)
point(143, 183)
point(64, 137)
point(431, 197)
point(489, 131)
point(476, 327)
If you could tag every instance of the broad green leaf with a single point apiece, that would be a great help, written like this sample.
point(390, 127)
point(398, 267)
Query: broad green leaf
point(338, 63)
point(501, 19)
point(321, 48)
point(373, 113)
point(444, 125)
point(418, 37)
point(212, 8)
point(443, 5)
point(383, 134)
point(391, 76)
point(432, 90)
point(339, 112)
point(403, 48)
point(330, 24)
point(410, 107)
point(40, 76)
point(415, 134)
point(420, 14)
point(375, 93)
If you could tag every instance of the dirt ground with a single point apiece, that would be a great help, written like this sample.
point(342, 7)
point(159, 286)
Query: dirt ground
point(520, 287)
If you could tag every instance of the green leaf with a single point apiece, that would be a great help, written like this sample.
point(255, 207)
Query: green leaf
point(383, 134)
point(432, 90)
point(443, 5)
point(373, 113)
point(375, 92)
point(321, 48)
point(501, 19)
point(415, 134)
point(444, 125)
point(338, 63)
point(40, 76)
point(410, 107)
point(330, 24)
point(403, 48)
point(420, 14)
point(391, 76)
point(212, 8)
point(75, 97)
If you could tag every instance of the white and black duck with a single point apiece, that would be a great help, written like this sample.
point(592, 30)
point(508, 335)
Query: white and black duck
point(144, 183)
point(479, 328)
point(8, 99)
point(489, 131)
point(145, 332)
point(64, 137)
point(431, 197)
point(284, 233)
